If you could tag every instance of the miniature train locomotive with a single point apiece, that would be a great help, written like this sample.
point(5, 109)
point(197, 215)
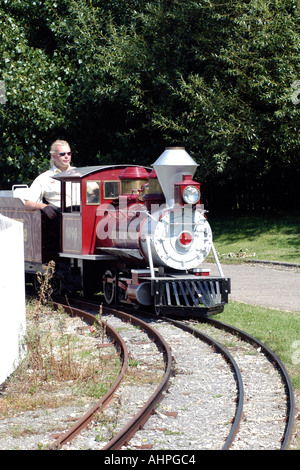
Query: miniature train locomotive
point(138, 234)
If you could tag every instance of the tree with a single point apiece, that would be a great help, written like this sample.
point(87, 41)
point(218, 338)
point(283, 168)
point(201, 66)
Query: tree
point(215, 76)
point(122, 79)
point(36, 94)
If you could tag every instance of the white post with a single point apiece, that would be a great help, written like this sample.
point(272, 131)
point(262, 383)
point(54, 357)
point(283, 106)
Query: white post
point(12, 295)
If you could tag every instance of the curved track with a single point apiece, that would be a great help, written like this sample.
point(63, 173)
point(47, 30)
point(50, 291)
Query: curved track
point(277, 363)
point(230, 360)
point(137, 421)
point(105, 400)
point(124, 436)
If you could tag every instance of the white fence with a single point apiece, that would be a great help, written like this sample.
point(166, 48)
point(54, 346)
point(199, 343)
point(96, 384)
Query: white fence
point(12, 295)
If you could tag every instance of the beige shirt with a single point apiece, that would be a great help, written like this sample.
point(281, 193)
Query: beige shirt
point(44, 186)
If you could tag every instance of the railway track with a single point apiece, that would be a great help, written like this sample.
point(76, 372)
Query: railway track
point(201, 396)
point(277, 366)
point(265, 420)
point(125, 434)
point(237, 410)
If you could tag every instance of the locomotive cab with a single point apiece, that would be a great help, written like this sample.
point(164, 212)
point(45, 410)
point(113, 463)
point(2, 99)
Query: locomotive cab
point(93, 189)
point(133, 182)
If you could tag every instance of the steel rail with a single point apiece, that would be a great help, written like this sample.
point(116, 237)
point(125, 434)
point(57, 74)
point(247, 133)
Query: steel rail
point(145, 412)
point(141, 417)
point(280, 366)
point(83, 422)
point(230, 360)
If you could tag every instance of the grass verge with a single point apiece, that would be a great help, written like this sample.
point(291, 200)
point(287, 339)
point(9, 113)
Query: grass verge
point(278, 330)
point(62, 365)
point(263, 237)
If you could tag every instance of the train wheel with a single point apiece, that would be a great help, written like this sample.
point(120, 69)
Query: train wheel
point(57, 285)
point(109, 287)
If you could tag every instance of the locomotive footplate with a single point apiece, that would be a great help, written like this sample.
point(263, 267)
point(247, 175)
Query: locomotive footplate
point(207, 296)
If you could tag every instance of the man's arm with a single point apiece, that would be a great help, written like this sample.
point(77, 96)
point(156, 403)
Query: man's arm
point(48, 209)
point(31, 206)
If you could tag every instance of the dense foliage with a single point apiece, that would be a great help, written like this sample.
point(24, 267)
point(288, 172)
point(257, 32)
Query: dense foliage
point(121, 79)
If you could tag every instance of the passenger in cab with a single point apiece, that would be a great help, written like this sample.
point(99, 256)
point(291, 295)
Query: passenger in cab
point(45, 192)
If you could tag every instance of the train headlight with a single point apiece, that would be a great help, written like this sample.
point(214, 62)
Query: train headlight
point(191, 195)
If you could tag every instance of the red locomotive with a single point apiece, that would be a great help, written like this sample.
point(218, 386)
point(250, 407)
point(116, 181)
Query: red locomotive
point(138, 234)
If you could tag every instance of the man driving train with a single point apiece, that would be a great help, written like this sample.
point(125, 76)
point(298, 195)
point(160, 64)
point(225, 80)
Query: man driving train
point(44, 193)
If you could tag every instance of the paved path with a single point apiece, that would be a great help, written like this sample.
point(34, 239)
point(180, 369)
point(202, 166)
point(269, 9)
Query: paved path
point(265, 285)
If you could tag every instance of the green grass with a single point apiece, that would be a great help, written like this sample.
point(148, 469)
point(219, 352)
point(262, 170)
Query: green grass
point(269, 237)
point(278, 330)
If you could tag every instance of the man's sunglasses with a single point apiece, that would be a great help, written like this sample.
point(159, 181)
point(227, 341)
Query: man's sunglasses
point(61, 154)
